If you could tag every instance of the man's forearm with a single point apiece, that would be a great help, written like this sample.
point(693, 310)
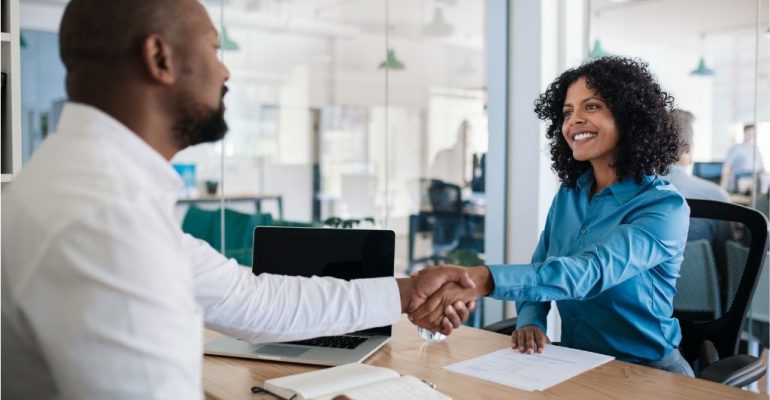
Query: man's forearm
point(406, 290)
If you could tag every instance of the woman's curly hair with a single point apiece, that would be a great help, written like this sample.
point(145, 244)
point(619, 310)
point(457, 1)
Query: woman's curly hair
point(648, 139)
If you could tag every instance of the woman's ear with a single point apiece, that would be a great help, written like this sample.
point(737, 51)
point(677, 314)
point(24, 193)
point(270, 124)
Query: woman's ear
point(158, 60)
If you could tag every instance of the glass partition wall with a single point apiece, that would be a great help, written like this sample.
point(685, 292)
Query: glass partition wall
point(713, 57)
point(352, 111)
point(341, 113)
point(359, 110)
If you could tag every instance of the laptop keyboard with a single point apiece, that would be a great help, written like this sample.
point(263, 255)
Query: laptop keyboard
point(336, 342)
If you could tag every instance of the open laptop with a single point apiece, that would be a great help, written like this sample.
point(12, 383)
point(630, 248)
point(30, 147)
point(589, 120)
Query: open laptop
point(341, 253)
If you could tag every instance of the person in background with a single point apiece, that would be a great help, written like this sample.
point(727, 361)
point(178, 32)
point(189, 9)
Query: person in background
point(453, 165)
point(615, 234)
point(691, 187)
point(103, 295)
point(739, 160)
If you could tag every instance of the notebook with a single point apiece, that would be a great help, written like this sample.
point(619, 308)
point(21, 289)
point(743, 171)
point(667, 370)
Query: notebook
point(356, 381)
point(341, 253)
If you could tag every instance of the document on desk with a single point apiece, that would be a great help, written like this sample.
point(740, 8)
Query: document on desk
point(530, 372)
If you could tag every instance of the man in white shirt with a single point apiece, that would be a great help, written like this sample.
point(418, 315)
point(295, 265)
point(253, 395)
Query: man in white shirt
point(691, 187)
point(103, 296)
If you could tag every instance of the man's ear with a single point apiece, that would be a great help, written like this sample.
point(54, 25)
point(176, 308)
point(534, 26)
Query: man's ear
point(158, 60)
point(686, 149)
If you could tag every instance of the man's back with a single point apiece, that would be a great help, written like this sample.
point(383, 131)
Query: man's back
point(92, 194)
point(693, 187)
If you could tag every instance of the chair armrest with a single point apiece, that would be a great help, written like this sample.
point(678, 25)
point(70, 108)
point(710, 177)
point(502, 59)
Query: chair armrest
point(738, 370)
point(505, 326)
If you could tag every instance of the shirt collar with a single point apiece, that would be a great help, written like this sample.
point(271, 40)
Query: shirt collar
point(623, 190)
point(94, 124)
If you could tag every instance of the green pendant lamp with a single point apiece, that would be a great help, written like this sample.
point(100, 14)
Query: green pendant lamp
point(597, 51)
point(392, 62)
point(228, 43)
point(702, 69)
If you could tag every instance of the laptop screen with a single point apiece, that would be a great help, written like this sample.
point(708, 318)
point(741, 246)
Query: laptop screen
point(340, 253)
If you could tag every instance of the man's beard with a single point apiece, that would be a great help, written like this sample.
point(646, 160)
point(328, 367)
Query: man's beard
point(197, 124)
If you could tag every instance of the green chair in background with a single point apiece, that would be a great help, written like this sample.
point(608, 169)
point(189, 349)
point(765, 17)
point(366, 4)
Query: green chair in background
point(239, 230)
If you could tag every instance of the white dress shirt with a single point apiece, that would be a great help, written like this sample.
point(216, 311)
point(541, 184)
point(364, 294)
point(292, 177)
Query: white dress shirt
point(103, 295)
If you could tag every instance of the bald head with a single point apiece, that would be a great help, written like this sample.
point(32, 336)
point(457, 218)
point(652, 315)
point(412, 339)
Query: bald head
point(98, 33)
point(152, 64)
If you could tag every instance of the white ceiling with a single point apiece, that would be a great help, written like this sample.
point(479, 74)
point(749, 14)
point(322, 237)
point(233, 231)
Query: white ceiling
point(663, 19)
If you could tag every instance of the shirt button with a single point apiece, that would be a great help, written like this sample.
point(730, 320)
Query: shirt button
point(582, 231)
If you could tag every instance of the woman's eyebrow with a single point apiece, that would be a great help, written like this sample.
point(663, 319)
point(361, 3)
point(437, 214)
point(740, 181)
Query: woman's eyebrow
point(587, 99)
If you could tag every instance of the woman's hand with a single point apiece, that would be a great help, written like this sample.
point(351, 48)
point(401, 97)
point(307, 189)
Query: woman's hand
point(529, 339)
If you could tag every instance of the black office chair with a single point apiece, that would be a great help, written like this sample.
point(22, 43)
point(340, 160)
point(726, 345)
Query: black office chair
point(446, 218)
point(727, 244)
point(710, 337)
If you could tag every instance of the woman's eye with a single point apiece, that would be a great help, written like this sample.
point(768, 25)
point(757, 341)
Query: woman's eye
point(592, 106)
point(567, 113)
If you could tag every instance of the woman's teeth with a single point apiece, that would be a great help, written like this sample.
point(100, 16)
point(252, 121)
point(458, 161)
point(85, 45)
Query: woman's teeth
point(583, 136)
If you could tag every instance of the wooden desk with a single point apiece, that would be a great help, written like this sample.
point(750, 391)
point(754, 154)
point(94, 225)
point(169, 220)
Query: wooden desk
point(255, 198)
point(741, 199)
point(230, 378)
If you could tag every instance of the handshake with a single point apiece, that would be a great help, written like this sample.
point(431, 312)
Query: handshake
point(440, 299)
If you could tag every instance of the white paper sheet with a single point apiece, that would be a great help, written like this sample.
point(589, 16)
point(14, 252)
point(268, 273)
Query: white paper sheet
point(530, 372)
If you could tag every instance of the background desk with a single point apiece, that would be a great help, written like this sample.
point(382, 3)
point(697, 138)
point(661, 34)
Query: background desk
point(255, 198)
point(471, 233)
point(231, 378)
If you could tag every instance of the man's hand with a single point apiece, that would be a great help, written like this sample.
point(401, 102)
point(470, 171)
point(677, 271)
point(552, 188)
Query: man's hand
point(430, 280)
point(448, 300)
point(529, 339)
point(434, 312)
point(417, 289)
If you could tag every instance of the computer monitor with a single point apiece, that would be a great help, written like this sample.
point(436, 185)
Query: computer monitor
point(710, 171)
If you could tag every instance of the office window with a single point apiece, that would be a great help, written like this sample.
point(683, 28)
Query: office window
point(714, 58)
point(341, 110)
point(352, 110)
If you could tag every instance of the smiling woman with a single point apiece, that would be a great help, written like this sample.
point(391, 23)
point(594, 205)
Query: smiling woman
point(612, 261)
point(621, 102)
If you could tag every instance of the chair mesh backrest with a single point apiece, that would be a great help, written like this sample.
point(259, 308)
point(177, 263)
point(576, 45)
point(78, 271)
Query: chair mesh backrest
point(714, 262)
point(725, 249)
point(446, 202)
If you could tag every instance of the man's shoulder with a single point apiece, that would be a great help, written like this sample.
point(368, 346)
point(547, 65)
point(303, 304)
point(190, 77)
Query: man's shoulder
point(693, 187)
point(65, 178)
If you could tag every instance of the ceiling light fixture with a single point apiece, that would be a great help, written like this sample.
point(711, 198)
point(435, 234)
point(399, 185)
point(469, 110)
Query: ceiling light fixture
point(227, 42)
point(597, 51)
point(392, 62)
point(702, 69)
point(438, 26)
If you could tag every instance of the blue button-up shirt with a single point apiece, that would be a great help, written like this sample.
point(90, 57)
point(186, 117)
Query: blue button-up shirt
point(611, 263)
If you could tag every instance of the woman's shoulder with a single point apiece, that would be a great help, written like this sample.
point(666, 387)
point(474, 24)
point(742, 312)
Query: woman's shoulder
point(662, 194)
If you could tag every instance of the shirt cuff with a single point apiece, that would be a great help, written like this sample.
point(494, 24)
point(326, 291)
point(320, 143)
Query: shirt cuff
point(531, 314)
point(515, 282)
point(381, 299)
